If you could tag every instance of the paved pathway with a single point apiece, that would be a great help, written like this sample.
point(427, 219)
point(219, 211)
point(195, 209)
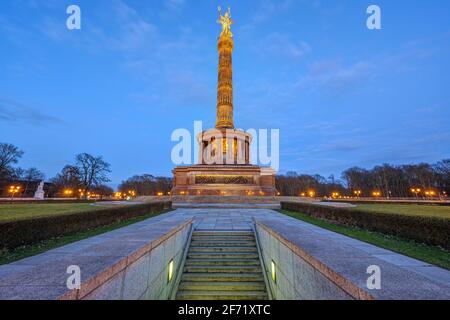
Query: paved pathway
point(408, 277)
point(405, 277)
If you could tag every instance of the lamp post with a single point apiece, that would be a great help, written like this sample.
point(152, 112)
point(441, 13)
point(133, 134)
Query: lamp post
point(358, 193)
point(13, 190)
point(416, 191)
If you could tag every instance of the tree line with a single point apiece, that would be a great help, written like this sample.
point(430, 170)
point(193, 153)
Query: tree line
point(400, 181)
point(146, 185)
point(87, 175)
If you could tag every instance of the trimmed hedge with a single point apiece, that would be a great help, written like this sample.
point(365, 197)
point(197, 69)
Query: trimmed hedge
point(48, 201)
point(410, 202)
point(429, 230)
point(14, 234)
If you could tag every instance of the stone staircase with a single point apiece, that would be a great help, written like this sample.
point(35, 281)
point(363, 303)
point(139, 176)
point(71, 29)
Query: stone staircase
point(222, 265)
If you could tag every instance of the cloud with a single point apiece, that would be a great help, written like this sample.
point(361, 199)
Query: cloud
point(15, 112)
point(281, 46)
point(336, 78)
point(174, 5)
point(264, 11)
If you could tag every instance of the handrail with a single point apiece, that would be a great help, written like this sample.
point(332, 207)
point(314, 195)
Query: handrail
point(263, 263)
point(179, 273)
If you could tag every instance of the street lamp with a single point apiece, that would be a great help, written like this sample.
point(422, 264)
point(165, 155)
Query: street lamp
point(430, 193)
point(376, 194)
point(335, 195)
point(13, 190)
point(358, 193)
point(416, 191)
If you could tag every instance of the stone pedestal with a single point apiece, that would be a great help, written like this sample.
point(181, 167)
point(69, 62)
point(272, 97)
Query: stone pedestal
point(224, 180)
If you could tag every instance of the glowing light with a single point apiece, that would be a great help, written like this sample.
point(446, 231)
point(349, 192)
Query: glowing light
point(170, 275)
point(274, 271)
point(14, 189)
point(335, 195)
point(430, 193)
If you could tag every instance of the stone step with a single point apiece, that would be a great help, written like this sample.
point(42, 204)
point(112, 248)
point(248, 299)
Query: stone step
point(222, 286)
point(233, 249)
point(223, 255)
point(221, 295)
point(223, 262)
point(222, 243)
point(222, 265)
point(223, 238)
point(222, 277)
point(223, 233)
point(223, 269)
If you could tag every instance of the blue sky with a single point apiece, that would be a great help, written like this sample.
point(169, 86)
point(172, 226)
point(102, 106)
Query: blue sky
point(340, 94)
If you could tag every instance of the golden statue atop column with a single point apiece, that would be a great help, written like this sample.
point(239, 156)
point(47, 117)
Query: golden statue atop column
point(225, 82)
point(226, 23)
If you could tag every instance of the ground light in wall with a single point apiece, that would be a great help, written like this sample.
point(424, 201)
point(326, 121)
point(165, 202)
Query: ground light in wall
point(170, 274)
point(273, 271)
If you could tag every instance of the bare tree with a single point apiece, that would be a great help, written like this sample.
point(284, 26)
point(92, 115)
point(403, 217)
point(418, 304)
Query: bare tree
point(69, 178)
point(92, 171)
point(9, 154)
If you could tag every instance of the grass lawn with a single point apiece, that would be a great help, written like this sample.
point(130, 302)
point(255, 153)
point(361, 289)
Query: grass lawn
point(410, 210)
point(431, 254)
point(32, 250)
point(12, 212)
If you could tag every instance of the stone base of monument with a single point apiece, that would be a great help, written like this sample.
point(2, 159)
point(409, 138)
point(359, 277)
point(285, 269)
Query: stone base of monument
point(224, 180)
